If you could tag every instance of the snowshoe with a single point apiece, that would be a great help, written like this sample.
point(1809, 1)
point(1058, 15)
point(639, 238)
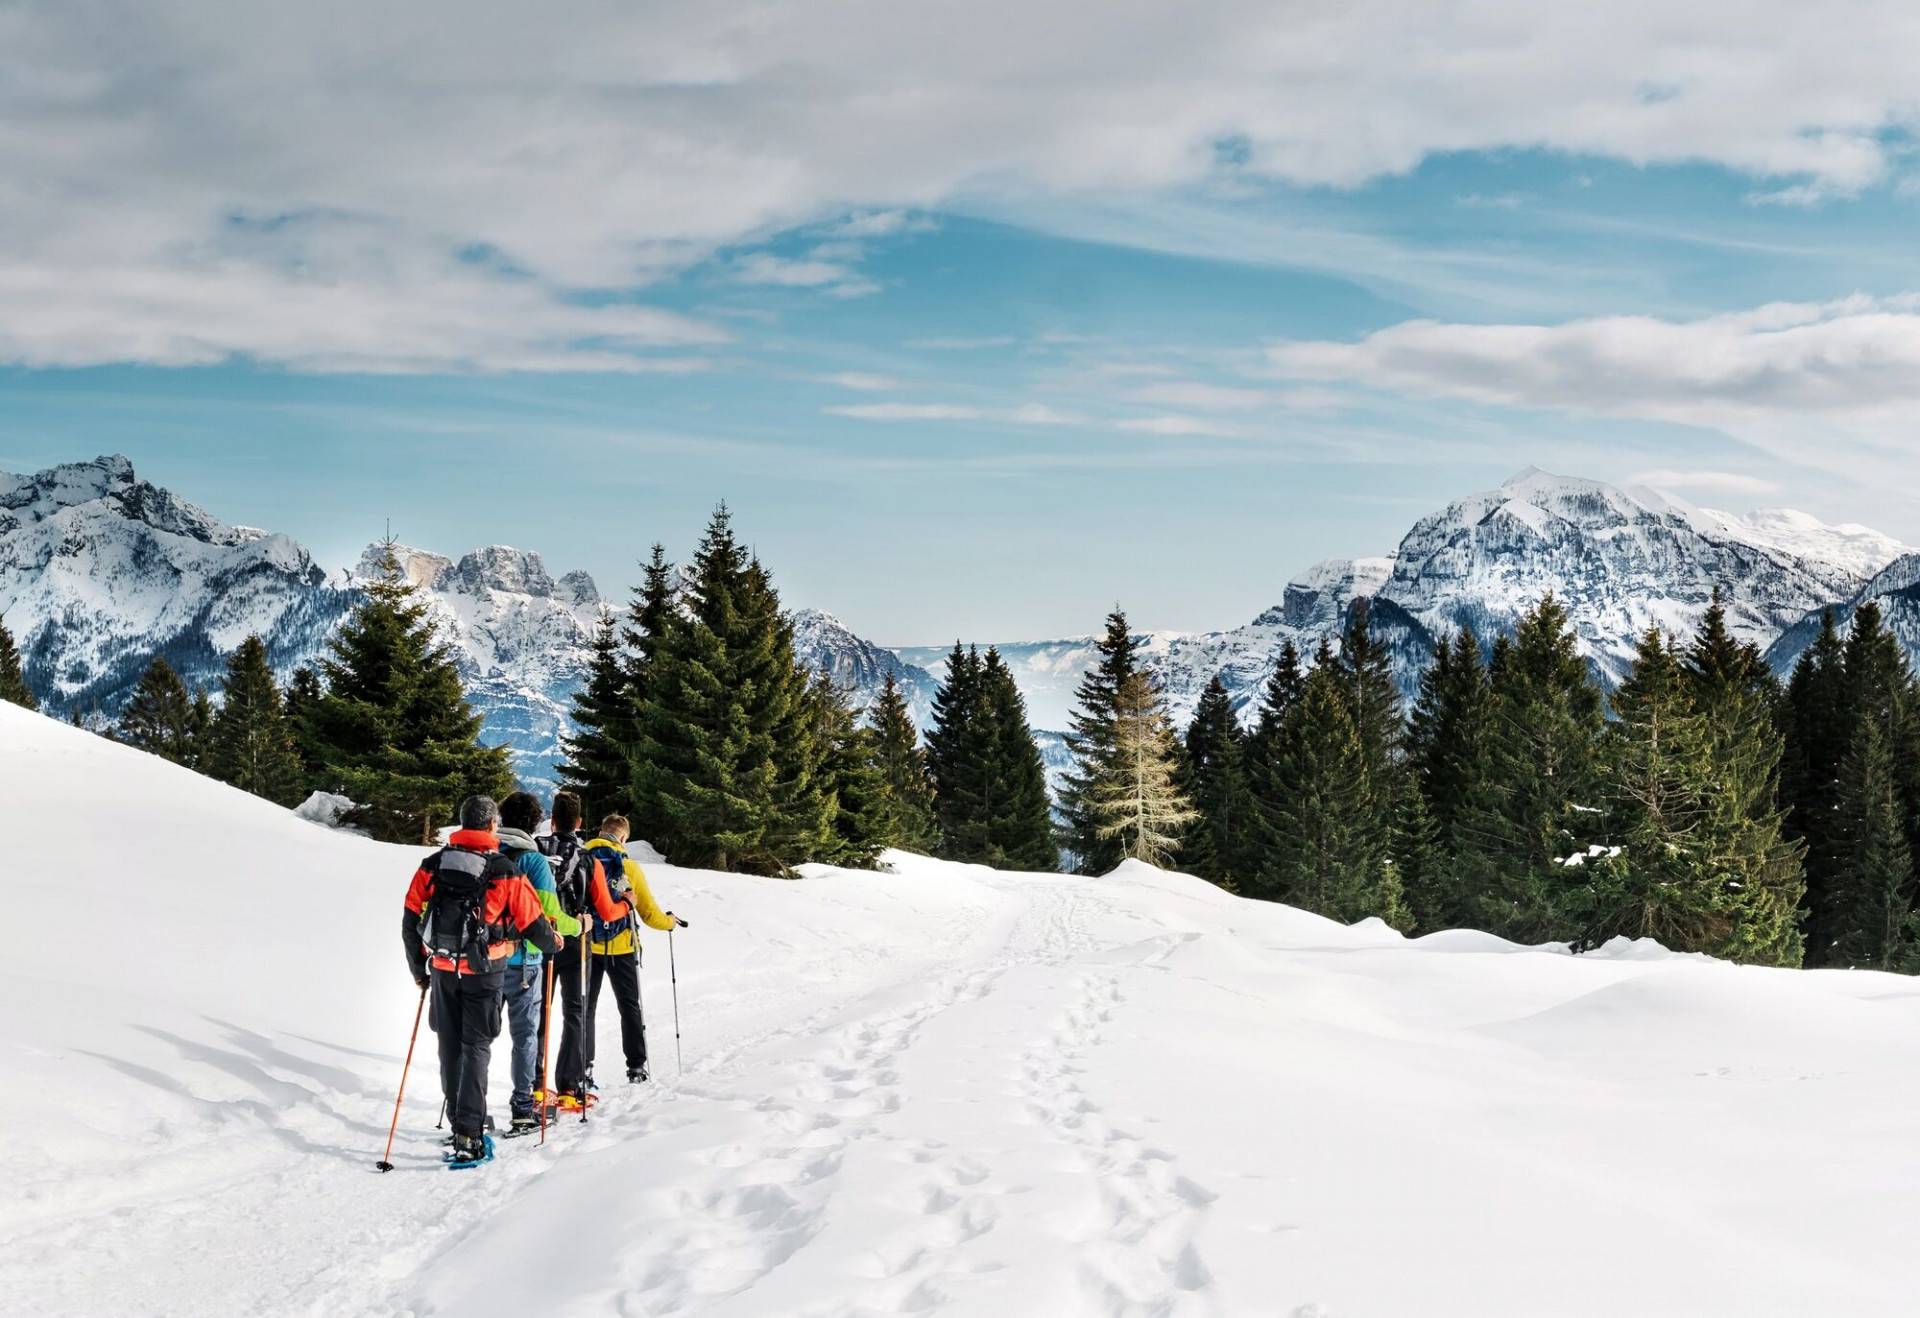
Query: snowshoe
point(522, 1125)
point(637, 1075)
point(569, 1102)
point(469, 1151)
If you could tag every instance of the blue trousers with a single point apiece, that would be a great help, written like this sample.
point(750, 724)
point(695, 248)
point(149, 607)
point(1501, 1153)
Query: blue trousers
point(526, 987)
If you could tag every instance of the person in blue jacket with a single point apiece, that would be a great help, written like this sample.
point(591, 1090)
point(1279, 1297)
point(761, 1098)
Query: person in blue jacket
point(520, 814)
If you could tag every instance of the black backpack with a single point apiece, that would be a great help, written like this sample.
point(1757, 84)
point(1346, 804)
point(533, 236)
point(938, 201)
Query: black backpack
point(570, 871)
point(455, 926)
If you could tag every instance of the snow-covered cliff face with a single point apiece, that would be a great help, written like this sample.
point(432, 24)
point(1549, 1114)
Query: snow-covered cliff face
point(859, 667)
point(100, 571)
point(1620, 560)
point(1895, 588)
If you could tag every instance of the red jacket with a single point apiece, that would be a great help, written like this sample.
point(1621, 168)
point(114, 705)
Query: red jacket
point(510, 901)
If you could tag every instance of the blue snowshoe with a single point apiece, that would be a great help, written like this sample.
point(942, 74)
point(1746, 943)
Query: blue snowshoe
point(469, 1151)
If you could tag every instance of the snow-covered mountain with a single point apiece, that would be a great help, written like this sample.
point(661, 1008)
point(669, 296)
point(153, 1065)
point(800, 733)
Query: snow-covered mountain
point(100, 571)
point(1621, 560)
point(1895, 588)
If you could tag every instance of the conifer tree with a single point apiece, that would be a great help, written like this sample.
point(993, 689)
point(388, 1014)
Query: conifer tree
point(13, 678)
point(1818, 723)
point(861, 817)
point(1091, 737)
point(251, 745)
point(729, 768)
point(600, 753)
point(1535, 796)
point(1260, 762)
point(393, 731)
point(159, 718)
point(958, 759)
point(647, 616)
point(200, 731)
point(905, 783)
point(1325, 852)
point(1020, 811)
point(1446, 748)
point(302, 694)
point(1137, 802)
point(1213, 778)
point(1871, 899)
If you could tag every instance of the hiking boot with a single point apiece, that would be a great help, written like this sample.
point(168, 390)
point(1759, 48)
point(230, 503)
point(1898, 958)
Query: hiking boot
point(469, 1149)
point(524, 1121)
point(637, 1075)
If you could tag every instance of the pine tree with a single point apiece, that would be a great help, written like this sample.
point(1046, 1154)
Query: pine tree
point(393, 731)
point(1019, 810)
point(1536, 792)
point(1213, 778)
point(862, 816)
point(200, 732)
point(600, 752)
point(1325, 853)
point(1446, 750)
point(303, 693)
point(958, 760)
point(1260, 764)
point(648, 615)
point(1871, 900)
point(1818, 723)
point(159, 718)
point(905, 783)
point(1137, 802)
point(251, 745)
point(1091, 737)
point(13, 679)
point(729, 767)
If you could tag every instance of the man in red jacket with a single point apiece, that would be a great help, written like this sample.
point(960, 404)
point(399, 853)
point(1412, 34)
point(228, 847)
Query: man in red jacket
point(467, 909)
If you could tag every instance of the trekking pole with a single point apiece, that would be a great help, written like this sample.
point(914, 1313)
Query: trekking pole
point(384, 1164)
point(440, 1122)
point(546, 1021)
point(673, 970)
point(586, 1017)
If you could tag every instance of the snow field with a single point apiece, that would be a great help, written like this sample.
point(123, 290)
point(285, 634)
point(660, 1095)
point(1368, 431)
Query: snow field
point(939, 1091)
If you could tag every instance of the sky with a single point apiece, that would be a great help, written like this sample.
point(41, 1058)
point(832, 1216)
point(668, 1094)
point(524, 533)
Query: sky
point(982, 319)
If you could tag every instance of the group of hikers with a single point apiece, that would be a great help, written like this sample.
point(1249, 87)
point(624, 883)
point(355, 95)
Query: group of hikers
point(500, 920)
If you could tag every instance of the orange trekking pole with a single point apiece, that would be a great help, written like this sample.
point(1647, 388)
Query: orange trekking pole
point(546, 1020)
point(385, 1165)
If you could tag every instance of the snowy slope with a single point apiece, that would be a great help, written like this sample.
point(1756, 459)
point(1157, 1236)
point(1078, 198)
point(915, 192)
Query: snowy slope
point(944, 1091)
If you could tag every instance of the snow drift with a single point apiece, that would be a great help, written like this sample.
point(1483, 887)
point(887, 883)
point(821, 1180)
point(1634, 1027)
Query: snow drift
point(943, 1090)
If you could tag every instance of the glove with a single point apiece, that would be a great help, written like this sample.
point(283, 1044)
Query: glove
point(421, 981)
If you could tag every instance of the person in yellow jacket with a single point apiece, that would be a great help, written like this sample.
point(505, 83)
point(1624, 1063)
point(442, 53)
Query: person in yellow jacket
point(620, 896)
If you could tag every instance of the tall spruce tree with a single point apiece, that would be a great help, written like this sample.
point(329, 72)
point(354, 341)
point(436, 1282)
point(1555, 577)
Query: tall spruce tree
point(1213, 777)
point(601, 751)
point(861, 816)
point(1260, 764)
point(1020, 811)
point(159, 719)
point(1818, 722)
point(1325, 852)
point(13, 678)
point(1364, 671)
point(1870, 902)
point(1092, 738)
point(958, 759)
point(200, 731)
point(729, 768)
point(251, 745)
point(1536, 794)
point(1446, 751)
point(906, 784)
point(393, 731)
point(303, 693)
point(1137, 802)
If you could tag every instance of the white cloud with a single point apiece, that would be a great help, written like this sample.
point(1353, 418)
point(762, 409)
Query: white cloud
point(624, 141)
point(1172, 424)
point(1028, 414)
point(862, 382)
point(1205, 397)
point(830, 277)
point(1834, 385)
point(963, 344)
point(1707, 482)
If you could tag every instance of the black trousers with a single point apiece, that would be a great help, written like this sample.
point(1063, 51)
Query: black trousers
point(466, 1020)
point(624, 971)
point(569, 975)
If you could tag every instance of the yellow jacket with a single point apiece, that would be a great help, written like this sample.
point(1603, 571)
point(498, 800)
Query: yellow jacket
point(630, 889)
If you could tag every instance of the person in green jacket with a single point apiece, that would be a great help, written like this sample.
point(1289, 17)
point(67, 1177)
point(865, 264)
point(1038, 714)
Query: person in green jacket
point(526, 1002)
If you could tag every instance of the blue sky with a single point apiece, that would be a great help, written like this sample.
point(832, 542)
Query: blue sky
point(955, 380)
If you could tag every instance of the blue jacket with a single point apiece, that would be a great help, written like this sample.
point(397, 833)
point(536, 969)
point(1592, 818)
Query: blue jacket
point(540, 875)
